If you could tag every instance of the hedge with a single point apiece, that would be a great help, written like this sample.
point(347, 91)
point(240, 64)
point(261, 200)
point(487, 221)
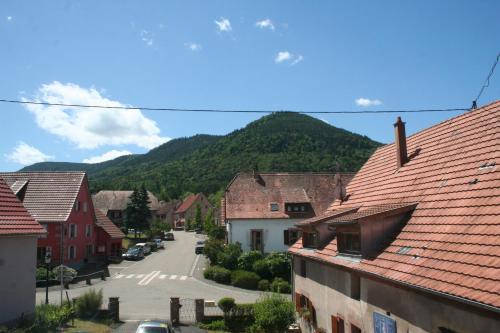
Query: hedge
point(263, 285)
point(245, 279)
point(218, 274)
point(279, 285)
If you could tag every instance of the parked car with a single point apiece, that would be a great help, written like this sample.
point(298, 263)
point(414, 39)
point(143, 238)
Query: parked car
point(197, 230)
point(200, 245)
point(154, 327)
point(159, 243)
point(145, 247)
point(134, 253)
point(169, 236)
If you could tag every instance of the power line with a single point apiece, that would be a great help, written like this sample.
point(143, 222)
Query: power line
point(486, 82)
point(229, 110)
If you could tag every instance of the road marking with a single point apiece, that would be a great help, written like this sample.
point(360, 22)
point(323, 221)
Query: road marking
point(119, 276)
point(140, 276)
point(130, 276)
point(173, 277)
point(184, 277)
point(162, 276)
point(194, 264)
point(149, 278)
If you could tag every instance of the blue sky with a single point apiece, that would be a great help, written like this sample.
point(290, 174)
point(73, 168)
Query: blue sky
point(299, 55)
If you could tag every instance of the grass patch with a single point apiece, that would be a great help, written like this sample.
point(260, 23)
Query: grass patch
point(89, 326)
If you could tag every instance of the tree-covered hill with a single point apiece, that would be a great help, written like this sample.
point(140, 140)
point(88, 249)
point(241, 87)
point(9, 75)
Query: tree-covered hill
point(278, 142)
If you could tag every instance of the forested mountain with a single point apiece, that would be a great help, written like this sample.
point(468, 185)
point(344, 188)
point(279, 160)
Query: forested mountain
point(278, 142)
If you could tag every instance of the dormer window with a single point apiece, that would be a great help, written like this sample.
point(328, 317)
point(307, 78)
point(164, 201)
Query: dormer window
point(310, 239)
point(297, 208)
point(275, 207)
point(349, 242)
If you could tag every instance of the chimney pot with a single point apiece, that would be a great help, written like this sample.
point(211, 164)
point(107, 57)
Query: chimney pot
point(400, 142)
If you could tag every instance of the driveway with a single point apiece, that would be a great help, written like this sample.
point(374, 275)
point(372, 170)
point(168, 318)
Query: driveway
point(145, 287)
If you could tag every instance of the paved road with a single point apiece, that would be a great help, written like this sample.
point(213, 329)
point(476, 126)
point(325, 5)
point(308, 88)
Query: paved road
point(145, 286)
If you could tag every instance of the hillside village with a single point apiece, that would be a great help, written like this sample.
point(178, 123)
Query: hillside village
point(402, 239)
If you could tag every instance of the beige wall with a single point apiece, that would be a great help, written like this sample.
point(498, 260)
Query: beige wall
point(328, 288)
point(17, 277)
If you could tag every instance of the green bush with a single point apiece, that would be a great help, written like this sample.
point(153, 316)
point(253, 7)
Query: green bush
point(216, 325)
point(226, 304)
point(245, 279)
point(212, 249)
point(279, 264)
point(41, 274)
point(261, 267)
point(89, 303)
point(218, 274)
point(247, 259)
point(279, 285)
point(240, 318)
point(273, 314)
point(263, 285)
point(228, 258)
point(49, 316)
point(68, 273)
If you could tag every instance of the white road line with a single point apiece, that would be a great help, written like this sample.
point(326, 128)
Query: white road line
point(162, 276)
point(184, 277)
point(146, 277)
point(130, 276)
point(194, 264)
point(118, 276)
point(146, 281)
point(173, 277)
point(140, 276)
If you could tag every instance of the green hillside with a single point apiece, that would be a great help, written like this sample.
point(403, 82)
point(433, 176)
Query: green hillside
point(277, 142)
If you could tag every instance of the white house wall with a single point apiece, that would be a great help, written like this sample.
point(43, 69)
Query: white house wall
point(240, 231)
point(17, 277)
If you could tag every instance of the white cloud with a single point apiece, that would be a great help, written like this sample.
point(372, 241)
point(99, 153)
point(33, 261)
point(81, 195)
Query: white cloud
point(25, 154)
point(368, 102)
point(90, 128)
point(287, 56)
point(223, 24)
point(267, 23)
point(147, 37)
point(9, 18)
point(110, 155)
point(193, 46)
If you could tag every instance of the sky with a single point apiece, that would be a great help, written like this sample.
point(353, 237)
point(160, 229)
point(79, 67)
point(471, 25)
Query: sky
point(264, 55)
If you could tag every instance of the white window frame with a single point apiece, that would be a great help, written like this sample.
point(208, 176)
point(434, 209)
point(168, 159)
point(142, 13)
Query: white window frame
point(48, 251)
point(77, 205)
point(88, 230)
point(70, 231)
point(69, 252)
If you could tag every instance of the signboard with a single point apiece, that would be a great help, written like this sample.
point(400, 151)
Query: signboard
point(383, 324)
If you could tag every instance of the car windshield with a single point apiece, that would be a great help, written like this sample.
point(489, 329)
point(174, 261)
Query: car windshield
point(152, 329)
point(133, 250)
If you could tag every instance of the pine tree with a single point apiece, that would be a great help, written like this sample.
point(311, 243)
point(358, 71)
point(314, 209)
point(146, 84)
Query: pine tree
point(137, 211)
point(197, 217)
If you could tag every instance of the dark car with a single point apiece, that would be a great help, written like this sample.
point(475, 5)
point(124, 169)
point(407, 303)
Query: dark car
point(134, 253)
point(169, 236)
point(200, 245)
point(154, 327)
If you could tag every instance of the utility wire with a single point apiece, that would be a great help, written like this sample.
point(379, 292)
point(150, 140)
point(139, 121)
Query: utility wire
point(229, 111)
point(486, 82)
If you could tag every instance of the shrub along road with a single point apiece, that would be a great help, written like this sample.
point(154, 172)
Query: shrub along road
point(145, 286)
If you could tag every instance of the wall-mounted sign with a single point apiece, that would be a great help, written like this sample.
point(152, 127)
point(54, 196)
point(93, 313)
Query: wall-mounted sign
point(383, 324)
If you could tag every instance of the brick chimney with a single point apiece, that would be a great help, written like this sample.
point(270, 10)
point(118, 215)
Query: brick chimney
point(400, 141)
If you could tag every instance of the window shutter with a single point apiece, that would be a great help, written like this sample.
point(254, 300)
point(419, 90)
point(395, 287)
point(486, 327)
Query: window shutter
point(286, 237)
point(297, 302)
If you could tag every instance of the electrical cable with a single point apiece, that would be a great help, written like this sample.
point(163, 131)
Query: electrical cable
point(486, 82)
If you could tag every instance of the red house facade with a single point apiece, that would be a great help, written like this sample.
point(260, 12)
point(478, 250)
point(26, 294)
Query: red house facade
point(108, 237)
point(61, 203)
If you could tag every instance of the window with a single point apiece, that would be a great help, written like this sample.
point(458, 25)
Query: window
point(274, 207)
point(71, 252)
point(89, 250)
point(77, 206)
point(45, 226)
point(296, 208)
point(303, 268)
point(88, 230)
point(256, 239)
point(290, 236)
point(40, 254)
point(85, 207)
point(355, 329)
point(350, 242)
point(355, 286)
point(72, 231)
point(337, 324)
point(310, 239)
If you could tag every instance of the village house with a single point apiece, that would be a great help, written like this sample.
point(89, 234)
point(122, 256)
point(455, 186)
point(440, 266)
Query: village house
point(166, 211)
point(114, 203)
point(61, 203)
point(108, 238)
point(187, 209)
point(414, 245)
point(260, 210)
point(18, 242)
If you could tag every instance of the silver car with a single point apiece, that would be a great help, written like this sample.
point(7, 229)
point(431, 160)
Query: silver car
point(154, 327)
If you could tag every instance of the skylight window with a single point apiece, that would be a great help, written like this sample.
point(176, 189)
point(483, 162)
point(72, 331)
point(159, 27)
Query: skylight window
point(404, 250)
point(274, 207)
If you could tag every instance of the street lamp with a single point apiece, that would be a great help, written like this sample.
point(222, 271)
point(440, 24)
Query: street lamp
point(47, 265)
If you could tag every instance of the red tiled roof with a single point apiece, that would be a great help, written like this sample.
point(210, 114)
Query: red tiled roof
point(14, 218)
point(370, 212)
point(117, 200)
point(49, 196)
point(452, 239)
point(249, 196)
point(328, 215)
point(105, 223)
point(187, 203)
